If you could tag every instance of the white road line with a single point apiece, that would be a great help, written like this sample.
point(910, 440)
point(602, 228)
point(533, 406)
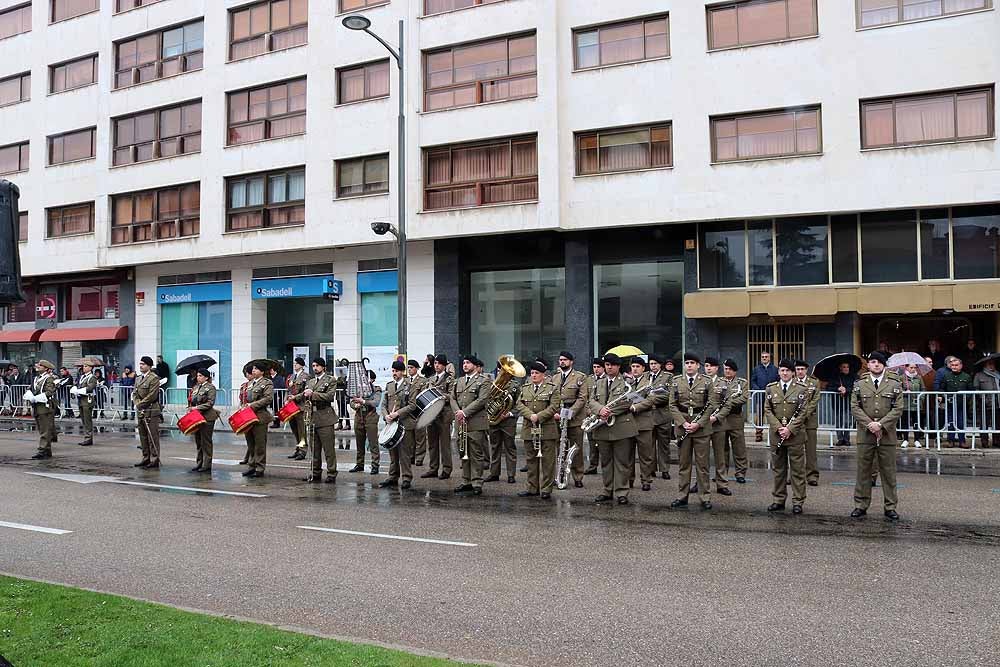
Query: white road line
point(37, 529)
point(389, 537)
point(191, 488)
point(341, 467)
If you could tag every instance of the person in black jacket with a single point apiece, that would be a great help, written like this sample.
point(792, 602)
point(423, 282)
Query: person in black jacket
point(161, 369)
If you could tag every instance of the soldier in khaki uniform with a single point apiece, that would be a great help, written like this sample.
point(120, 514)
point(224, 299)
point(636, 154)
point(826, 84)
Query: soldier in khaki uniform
point(146, 397)
point(785, 403)
point(573, 397)
point(296, 385)
point(439, 430)
point(366, 427)
point(259, 396)
point(43, 403)
point(692, 402)
point(811, 420)
point(503, 449)
point(721, 389)
point(321, 416)
point(616, 441)
point(733, 421)
point(877, 403)
point(418, 382)
point(203, 396)
point(397, 402)
point(658, 400)
point(593, 452)
point(469, 396)
point(645, 449)
point(86, 386)
point(538, 403)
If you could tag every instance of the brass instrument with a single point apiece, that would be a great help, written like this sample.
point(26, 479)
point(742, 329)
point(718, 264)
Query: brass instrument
point(536, 439)
point(564, 462)
point(593, 421)
point(499, 403)
point(462, 433)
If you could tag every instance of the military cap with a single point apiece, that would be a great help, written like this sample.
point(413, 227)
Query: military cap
point(639, 360)
point(45, 364)
point(877, 356)
point(568, 355)
point(787, 363)
point(441, 359)
point(730, 364)
point(536, 366)
point(711, 361)
point(320, 361)
point(658, 358)
point(398, 365)
point(146, 360)
point(612, 359)
point(414, 363)
point(691, 356)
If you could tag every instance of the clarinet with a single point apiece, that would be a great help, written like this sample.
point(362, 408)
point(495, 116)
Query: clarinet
point(798, 409)
point(698, 418)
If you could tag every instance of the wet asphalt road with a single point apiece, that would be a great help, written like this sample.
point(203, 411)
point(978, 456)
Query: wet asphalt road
point(562, 581)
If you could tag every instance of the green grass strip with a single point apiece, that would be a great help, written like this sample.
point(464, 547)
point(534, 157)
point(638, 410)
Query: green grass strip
point(43, 625)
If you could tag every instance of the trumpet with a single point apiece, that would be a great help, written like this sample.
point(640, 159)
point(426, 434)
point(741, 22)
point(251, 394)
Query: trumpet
point(536, 439)
point(463, 439)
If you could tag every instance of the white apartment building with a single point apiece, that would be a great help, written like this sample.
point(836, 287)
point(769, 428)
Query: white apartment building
point(805, 176)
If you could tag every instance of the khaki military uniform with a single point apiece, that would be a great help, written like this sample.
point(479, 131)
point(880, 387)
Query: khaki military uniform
point(693, 402)
point(419, 435)
point(296, 386)
point(812, 427)
point(615, 442)
point(439, 430)
point(720, 387)
point(85, 401)
point(502, 445)
point(543, 401)
point(397, 398)
point(593, 451)
point(203, 400)
point(149, 414)
point(259, 396)
point(573, 396)
point(321, 416)
point(645, 448)
point(733, 426)
point(787, 408)
point(45, 413)
point(658, 402)
point(883, 404)
point(470, 394)
point(366, 428)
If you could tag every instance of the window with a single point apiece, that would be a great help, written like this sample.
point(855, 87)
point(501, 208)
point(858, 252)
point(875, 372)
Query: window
point(14, 158)
point(15, 89)
point(885, 12)
point(889, 234)
point(15, 21)
point(72, 146)
point(73, 74)
point(92, 302)
point(125, 5)
point(802, 250)
point(363, 176)
point(762, 135)
point(364, 82)
point(976, 234)
point(934, 244)
point(267, 26)
point(736, 254)
point(351, 5)
point(275, 199)
point(624, 149)
point(157, 133)
point(938, 117)
point(22, 226)
point(641, 302)
point(500, 69)
point(844, 248)
point(268, 112)
point(760, 21)
point(67, 9)
point(70, 220)
point(155, 215)
point(627, 42)
point(467, 175)
point(159, 54)
point(439, 6)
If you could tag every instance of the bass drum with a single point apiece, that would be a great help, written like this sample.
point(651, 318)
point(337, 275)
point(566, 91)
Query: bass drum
point(430, 403)
point(391, 435)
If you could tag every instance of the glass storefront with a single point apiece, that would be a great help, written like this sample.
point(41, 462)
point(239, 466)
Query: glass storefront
point(197, 326)
point(520, 312)
point(639, 304)
point(298, 322)
point(379, 319)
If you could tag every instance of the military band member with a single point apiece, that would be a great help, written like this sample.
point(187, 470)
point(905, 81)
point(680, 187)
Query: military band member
point(573, 397)
point(418, 382)
point(644, 450)
point(86, 386)
point(721, 389)
point(480, 366)
point(733, 420)
point(366, 427)
point(439, 430)
point(43, 402)
point(692, 403)
point(259, 395)
point(146, 397)
point(811, 420)
point(785, 403)
point(296, 385)
point(877, 403)
point(503, 449)
point(203, 400)
point(614, 442)
point(659, 401)
point(538, 403)
point(247, 377)
point(469, 396)
point(593, 452)
point(397, 400)
point(320, 397)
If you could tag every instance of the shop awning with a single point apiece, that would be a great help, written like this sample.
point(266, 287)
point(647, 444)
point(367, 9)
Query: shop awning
point(84, 333)
point(20, 336)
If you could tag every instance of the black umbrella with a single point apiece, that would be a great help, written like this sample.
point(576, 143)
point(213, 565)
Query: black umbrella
point(828, 369)
point(989, 357)
point(194, 363)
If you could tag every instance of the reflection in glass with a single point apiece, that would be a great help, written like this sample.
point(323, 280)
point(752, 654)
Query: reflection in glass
point(639, 304)
point(888, 246)
point(844, 248)
point(934, 244)
point(722, 255)
point(802, 250)
point(977, 241)
point(760, 247)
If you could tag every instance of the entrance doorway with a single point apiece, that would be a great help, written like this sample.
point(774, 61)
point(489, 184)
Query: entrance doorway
point(912, 332)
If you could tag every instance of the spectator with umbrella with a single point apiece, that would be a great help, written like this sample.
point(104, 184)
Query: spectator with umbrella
point(988, 379)
point(910, 368)
point(840, 372)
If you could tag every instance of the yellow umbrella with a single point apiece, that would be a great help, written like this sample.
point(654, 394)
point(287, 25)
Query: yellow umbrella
point(625, 351)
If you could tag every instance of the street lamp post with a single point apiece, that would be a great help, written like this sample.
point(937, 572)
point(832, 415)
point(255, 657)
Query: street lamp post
point(356, 22)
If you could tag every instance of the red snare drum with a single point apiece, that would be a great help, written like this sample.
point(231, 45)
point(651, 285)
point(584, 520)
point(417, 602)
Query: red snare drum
point(190, 422)
point(288, 410)
point(243, 420)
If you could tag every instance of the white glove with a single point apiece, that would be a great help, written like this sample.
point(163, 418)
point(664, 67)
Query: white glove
point(74, 390)
point(41, 398)
point(164, 381)
point(28, 396)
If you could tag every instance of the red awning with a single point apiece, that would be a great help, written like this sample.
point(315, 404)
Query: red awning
point(20, 336)
point(84, 333)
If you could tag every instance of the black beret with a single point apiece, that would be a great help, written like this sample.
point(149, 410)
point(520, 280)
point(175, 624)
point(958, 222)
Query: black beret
point(414, 363)
point(597, 362)
point(441, 359)
point(300, 361)
point(801, 364)
point(730, 364)
point(658, 358)
point(478, 362)
point(787, 363)
point(398, 365)
point(568, 355)
point(542, 362)
point(877, 356)
point(691, 356)
point(536, 366)
point(471, 358)
point(262, 366)
point(146, 360)
point(612, 359)
point(203, 372)
point(639, 360)
point(320, 361)
point(711, 361)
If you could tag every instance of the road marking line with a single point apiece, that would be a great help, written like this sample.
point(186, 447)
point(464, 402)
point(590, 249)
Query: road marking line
point(341, 467)
point(37, 529)
point(389, 537)
point(191, 488)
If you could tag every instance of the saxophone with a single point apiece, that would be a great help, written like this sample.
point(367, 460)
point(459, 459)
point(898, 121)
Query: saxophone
point(593, 421)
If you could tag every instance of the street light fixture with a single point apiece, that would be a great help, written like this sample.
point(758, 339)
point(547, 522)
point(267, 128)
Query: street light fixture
point(357, 22)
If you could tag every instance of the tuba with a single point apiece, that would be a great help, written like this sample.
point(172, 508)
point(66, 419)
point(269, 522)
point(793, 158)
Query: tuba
point(500, 402)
